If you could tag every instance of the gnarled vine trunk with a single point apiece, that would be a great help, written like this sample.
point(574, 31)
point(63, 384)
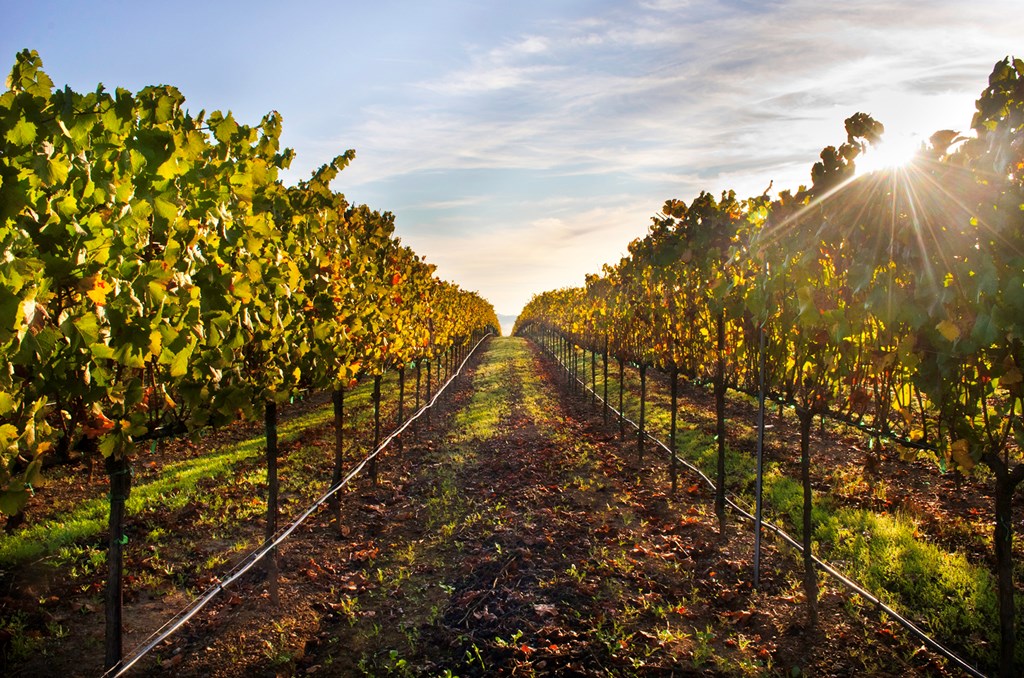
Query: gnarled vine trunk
point(1007, 481)
point(806, 417)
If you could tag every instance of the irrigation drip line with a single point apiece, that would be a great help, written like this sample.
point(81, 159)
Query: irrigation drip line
point(185, 615)
point(912, 628)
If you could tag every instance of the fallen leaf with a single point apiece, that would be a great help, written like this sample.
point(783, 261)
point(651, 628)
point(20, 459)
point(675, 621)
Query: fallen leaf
point(172, 661)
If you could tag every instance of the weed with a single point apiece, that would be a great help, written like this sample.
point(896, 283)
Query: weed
point(407, 556)
point(702, 648)
point(348, 607)
point(578, 575)
point(668, 636)
point(513, 640)
point(473, 655)
point(22, 644)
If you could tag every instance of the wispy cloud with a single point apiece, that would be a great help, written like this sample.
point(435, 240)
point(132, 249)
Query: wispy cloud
point(664, 98)
point(452, 204)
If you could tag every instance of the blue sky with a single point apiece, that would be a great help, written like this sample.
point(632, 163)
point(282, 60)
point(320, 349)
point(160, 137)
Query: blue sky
point(522, 145)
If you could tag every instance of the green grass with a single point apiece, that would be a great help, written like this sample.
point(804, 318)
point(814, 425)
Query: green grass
point(490, 404)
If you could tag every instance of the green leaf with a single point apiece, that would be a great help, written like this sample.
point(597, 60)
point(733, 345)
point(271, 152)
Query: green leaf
point(960, 451)
point(949, 330)
point(55, 172)
point(86, 327)
point(108, 445)
point(134, 393)
point(179, 366)
point(808, 309)
point(10, 310)
point(6, 403)
point(12, 501)
point(23, 133)
point(34, 472)
point(28, 75)
point(985, 331)
point(167, 210)
point(8, 434)
point(101, 351)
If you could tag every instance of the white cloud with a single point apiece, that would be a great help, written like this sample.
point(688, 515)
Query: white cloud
point(533, 44)
point(451, 204)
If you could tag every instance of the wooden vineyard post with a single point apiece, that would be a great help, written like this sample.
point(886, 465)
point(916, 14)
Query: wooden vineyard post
point(428, 390)
point(575, 368)
point(673, 470)
point(593, 378)
point(338, 398)
point(720, 421)
point(643, 410)
point(119, 472)
point(401, 403)
point(806, 417)
point(565, 360)
point(416, 424)
point(270, 424)
point(605, 366)
point(622, 386)
point(568, 365)
point(578, 367)
point(759, 482)
point(376, 427)
point(570, 358)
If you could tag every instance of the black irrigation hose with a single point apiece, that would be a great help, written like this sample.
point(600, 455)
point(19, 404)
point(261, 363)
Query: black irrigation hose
point(181, 618)
point(912, 628)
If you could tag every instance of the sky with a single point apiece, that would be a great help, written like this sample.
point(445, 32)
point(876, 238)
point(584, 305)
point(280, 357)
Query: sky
point(522, 145)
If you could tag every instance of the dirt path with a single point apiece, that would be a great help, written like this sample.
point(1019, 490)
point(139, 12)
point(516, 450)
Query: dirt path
point(532, 546)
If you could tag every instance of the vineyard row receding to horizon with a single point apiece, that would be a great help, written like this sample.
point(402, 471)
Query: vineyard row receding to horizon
point(892, 300)
point(159, 278)
point(887, 545)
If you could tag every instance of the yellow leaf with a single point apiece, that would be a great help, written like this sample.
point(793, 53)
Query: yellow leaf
point(949, 330)
point(99, 291)
point(156, 341)
point(961, 453)
point(908, 416)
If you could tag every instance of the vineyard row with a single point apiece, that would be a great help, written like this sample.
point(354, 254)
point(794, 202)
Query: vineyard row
point(158, 277)
point(577, 381)
point(269, 547)
point(893, 300)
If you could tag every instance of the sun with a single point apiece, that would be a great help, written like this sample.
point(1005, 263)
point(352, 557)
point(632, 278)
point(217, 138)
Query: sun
point(891, 153)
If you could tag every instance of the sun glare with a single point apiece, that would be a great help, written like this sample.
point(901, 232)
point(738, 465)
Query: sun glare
point(893, 152)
